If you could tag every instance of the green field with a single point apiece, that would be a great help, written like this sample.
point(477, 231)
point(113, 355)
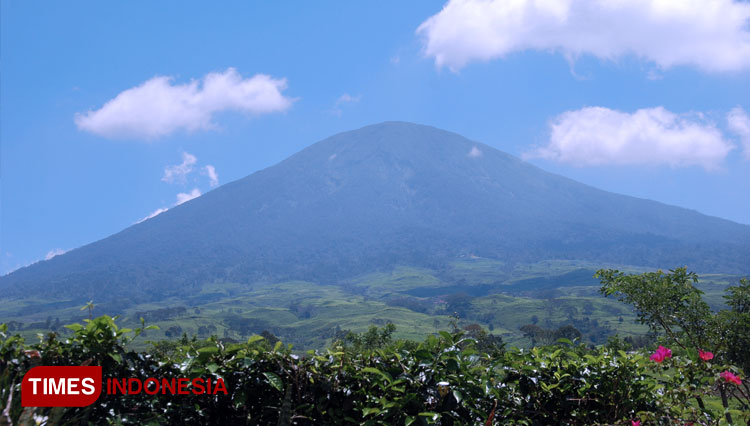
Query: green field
point(419, 301)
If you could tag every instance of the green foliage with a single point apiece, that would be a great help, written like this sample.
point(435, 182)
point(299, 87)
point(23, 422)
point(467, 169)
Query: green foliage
point(670, 303)
point(309, 315)
point(373, 338)
point(547, 337)
point(667, 302)
point(735, 325)
point(485, 342)
point(387, 382)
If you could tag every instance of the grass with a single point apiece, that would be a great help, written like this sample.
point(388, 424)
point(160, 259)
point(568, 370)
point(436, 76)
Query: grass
point(309, 315)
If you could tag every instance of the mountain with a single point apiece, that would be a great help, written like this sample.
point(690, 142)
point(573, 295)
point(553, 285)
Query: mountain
point(370, 199)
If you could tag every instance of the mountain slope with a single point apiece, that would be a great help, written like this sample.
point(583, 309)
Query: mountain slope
point(369, 199)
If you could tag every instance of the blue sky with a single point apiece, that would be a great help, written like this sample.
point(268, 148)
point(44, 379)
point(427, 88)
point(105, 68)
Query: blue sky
point(111, 112)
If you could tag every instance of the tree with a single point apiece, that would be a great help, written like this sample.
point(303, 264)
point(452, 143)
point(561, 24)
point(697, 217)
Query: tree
point(735, 325)
point(373, 338)
point(485, 342)
point(670, 303)
point(270, 337)
point(667, 302)
point(459, 303)
point(547, 336)
point(566, 332)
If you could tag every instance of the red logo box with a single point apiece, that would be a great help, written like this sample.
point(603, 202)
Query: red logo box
point(47, 386)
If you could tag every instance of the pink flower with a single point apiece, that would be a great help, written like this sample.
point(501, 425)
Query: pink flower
point(730, 377)
point(635, 423)
point(705, 356)
point(33, 354)
point(661, 354)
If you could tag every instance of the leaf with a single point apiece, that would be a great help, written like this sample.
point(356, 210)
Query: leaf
point(430, 414)
point(74, 327)
point(548, 388)
point(423, 354)
point(384, 375)
point(254, 339)
point(204, 353)
point(370, 410)
point(452, 364)
point(274, 380)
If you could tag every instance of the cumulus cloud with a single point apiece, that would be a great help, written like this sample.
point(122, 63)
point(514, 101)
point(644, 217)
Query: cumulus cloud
point(184, 197)
point(739, 123)
point(712, 35)
point(179, 172)
point(651, 136)
point(159, 107)
point(213, 177)
point(54, 252)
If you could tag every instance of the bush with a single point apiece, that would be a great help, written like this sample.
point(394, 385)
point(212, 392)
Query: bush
point(449, 379)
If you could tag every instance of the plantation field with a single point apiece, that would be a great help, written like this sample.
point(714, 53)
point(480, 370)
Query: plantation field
point(499, 297)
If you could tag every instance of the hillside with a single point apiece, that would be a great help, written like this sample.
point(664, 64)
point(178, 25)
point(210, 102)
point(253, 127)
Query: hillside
point(371, 199)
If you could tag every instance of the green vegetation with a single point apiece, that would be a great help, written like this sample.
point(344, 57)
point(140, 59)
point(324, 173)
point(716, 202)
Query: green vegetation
point(670, 303)
point(371, 378)
point(309, 315)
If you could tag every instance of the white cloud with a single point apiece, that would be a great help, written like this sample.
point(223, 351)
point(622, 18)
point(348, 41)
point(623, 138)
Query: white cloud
point(54, 252)
point(651, 136)
point(474, 153)
point(183, 197)
point(213, 177)
point(155, 213)
point(158, 107)
point(739, 123)
point(347, 98)
point(342, 100)
point(179, 172)
point(712, 35)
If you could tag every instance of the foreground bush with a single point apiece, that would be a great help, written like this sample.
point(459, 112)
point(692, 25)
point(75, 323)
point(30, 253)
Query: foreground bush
point(566, 384)
point(444, 380)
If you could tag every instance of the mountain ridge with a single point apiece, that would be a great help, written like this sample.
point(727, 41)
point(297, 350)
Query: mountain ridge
point(382, 195)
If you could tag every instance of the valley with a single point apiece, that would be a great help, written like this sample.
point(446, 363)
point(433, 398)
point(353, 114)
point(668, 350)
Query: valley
point(418, 301)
